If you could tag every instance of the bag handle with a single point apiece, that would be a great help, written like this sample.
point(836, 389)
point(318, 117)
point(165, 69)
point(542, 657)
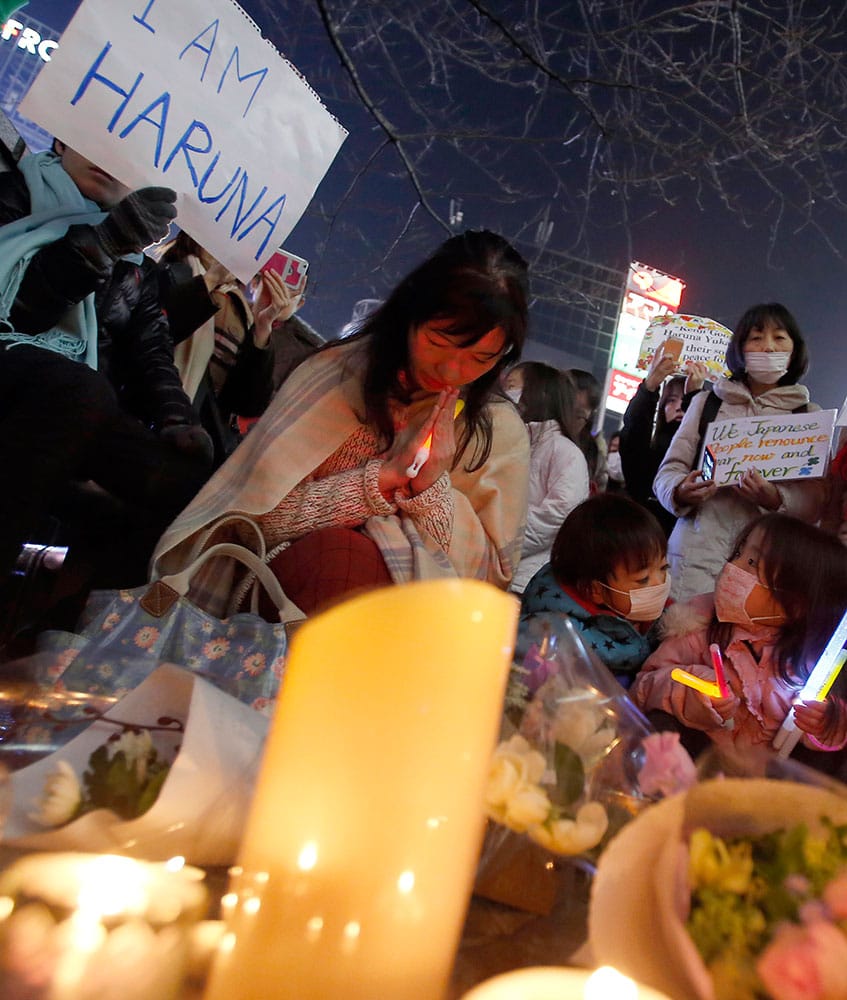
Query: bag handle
point(202, 537)
point(288, 610)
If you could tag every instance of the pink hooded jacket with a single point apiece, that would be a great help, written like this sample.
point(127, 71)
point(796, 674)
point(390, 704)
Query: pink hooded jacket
point(751, 672)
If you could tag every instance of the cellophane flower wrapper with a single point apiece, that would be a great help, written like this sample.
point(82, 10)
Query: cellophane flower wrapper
point(576, 760)
point(215, 744)
point(643, 891)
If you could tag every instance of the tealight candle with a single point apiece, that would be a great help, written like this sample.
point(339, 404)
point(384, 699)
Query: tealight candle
point(549, 983)
point(362, 842)
point(86, 926)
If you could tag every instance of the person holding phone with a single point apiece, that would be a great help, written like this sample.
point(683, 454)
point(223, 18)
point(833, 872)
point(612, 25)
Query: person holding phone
point(650, 422)
point(325, 472)
point(766, 356)
point(223, 352)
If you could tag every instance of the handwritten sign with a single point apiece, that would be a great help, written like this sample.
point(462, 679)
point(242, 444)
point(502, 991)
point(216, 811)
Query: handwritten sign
point(778, 446)
point(703, 340)
point(189, 95)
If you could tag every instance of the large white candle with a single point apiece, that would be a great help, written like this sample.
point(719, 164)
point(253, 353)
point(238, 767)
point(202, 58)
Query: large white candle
point(360, 849)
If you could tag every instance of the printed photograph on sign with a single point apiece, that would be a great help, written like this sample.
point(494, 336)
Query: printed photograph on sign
point(190, 96)
point(778, 446)
point(692, 338)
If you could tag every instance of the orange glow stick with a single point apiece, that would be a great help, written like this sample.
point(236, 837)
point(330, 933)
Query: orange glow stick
point(422, 454)
point(720, 674)
point(708, 688)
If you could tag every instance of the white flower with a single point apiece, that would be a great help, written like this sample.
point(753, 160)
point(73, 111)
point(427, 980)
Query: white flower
point(528, 807)
point(573, 836)
point(137, 748)
point(61, 796)
point(583, 725)
point(513, 795)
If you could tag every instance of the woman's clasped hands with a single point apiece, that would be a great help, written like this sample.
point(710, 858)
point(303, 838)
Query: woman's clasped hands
point(440, 425)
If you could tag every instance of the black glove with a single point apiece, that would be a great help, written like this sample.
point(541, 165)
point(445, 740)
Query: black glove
point(142, 218)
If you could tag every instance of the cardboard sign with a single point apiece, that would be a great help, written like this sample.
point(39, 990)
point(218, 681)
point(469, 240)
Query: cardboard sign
point(702, 340)
point(777, 446)
point(189, 95)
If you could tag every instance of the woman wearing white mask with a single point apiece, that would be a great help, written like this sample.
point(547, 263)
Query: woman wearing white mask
point(766, 356)
point(608, 573)
point(558, 473)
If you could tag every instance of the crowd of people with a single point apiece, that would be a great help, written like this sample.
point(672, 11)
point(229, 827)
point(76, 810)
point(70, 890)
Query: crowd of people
point(419, 447)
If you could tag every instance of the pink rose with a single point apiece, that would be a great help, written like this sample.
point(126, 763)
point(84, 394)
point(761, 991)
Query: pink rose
point(805, 963)
point(667, 766)
point(835, 897)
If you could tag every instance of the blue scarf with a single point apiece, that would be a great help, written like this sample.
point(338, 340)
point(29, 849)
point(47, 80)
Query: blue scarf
point(56, 204)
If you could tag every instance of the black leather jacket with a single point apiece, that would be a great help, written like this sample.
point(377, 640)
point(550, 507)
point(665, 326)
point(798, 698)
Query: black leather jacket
point(134, 347)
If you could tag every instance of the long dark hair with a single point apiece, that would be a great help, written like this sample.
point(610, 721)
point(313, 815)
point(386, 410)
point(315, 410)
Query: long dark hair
point(547, 394)
point(180, 248)
point(599, 535)
point(807, 569)
point(585, 382)
point(663, 427)
point(478, 281)
point(757, 317)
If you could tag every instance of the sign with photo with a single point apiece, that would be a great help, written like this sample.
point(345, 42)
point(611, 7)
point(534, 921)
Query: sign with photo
point(696, 338)
point(778, 446)
point(190, 96)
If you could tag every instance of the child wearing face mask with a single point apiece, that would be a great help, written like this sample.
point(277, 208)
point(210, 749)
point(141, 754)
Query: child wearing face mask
point(776, 603)
point(608, 574)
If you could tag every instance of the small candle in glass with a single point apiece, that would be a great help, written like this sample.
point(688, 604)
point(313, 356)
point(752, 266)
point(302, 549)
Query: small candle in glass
point(551, 983)
point(86, 926)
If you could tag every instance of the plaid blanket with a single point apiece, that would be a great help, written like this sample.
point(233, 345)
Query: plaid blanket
point(317, 408)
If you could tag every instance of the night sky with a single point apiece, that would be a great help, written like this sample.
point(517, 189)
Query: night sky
point(357, 251)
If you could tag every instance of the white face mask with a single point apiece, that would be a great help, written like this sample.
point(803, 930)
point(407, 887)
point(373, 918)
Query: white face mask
point(646, 603)
point(514, 395)
point(613, 464)
point(767, 367)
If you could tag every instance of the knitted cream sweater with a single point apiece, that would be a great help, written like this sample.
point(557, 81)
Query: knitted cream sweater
point(344, 491)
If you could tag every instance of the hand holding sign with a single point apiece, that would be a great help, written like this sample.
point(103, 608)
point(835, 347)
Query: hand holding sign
point(687, 338)
point(759, 491)
point(189, 95)
point(138, 221)
point(752, 452)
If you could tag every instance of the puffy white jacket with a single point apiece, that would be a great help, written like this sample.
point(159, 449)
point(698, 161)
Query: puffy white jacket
point(558, 481)
point(703, 537)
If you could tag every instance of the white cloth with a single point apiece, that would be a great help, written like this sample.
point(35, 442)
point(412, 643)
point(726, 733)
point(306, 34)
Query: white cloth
point(558, 481)
point(703, 537)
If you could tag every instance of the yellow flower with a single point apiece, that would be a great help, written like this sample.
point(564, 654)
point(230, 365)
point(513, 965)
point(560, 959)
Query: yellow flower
point(712, 863)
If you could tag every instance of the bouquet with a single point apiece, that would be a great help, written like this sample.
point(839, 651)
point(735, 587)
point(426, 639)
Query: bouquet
point(168, 769)
point(576, 759)
point(124, 775)
point(769, 913)
point(736, 890)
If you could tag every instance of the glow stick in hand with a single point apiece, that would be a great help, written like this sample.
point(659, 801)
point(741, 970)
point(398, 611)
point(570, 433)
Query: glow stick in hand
point(708, 688)
point(720, 675)
point(816, 687)
point(422, 454)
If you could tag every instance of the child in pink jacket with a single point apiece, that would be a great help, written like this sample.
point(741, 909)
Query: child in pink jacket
point(776, 604)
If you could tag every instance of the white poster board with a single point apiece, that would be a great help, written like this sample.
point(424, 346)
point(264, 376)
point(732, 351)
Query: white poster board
point(188, 95)
point(703, 340)
point(777, 446)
